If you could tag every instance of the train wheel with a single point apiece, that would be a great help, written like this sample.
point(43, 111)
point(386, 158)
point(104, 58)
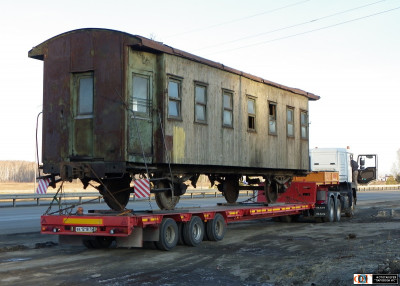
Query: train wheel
point(164, 200)
point(230, 189)
point(271, 192)
point(215, 229)
point(169, 234)
point(193, 231)
point(120, 192)
point(338, 209)
point(331, 211)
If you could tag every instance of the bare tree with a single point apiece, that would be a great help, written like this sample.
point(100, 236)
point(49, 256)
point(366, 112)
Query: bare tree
point(17, 171)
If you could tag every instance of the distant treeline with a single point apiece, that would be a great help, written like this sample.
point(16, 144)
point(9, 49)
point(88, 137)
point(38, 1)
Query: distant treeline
point(17, 171)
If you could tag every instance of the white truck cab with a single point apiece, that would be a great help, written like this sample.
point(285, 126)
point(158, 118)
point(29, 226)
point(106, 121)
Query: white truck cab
point(339, 160)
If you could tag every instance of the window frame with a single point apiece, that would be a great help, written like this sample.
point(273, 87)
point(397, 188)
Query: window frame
point(147, 113)
point(304, 125)
point(227, 109)
point(290, 108)
point(272, 103)
point(77, 82)
point(198, 103)
point(178, 100)
point(252, 116)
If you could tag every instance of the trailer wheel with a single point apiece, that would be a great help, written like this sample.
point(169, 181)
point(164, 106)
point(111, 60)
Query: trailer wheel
point(338, 209)
point(215, 229)
point(331, 211)
point(169, 234)
point(165, 200)
point(193, 231)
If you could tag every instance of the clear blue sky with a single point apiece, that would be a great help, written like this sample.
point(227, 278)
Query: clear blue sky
point(345, 53)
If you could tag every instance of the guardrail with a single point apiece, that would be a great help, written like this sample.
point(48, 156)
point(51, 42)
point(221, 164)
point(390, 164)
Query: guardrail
point(379, 188)
point(97, 197)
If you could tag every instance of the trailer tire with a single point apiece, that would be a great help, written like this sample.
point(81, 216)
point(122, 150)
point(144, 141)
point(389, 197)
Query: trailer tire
point(169, 234)
point(215, 229)
point(331, 211)
point(338, 209)
point(193, 231)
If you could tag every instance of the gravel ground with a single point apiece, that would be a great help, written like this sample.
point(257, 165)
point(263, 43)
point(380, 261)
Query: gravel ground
point(262, 252)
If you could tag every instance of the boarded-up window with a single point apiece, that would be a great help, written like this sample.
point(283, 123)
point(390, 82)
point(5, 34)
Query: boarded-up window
point(290, 121)
point(174, 98)
point(85, 96)
point(251, 114)
point(141, 94)
point(272, 118)
point(227, 120)
point(200, 94)
point(304, 124)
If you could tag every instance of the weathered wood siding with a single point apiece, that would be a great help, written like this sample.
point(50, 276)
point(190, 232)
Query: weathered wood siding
point(213, 144)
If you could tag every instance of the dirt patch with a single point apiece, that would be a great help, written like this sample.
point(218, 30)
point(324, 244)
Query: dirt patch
point(261, 252)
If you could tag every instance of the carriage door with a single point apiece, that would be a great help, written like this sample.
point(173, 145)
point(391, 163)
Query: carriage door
point(140, 138)
point(82, 131)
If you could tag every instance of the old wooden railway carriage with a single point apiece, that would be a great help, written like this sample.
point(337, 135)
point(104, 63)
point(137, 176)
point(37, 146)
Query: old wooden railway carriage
point(117, 105)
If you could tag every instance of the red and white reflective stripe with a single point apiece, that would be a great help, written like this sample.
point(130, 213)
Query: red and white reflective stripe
point(43, 184)
point(142, 188)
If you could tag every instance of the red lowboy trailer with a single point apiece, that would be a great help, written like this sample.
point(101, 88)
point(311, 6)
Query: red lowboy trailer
point(98, 229)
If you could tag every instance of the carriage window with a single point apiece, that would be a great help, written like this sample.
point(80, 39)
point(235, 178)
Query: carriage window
point(227, 120)
point(304, 124)
point(200, 94)
point(290, 121)
point(174, 98)
point(141, 94)
point(251, 114)
point(272, 118)
point(85, 97)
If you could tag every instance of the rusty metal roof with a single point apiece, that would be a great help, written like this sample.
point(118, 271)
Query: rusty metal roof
point(142, 43)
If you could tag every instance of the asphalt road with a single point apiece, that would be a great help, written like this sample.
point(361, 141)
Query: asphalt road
point(26, 219)
point(260, 252)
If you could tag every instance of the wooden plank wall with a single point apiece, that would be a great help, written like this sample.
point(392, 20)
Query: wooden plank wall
point(213, 144)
